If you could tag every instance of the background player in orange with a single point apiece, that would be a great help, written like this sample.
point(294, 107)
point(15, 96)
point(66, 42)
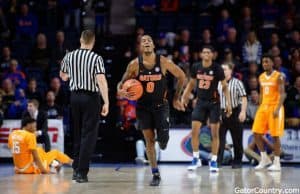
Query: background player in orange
point(270, 114)
point(27, 157)
point(152, 108)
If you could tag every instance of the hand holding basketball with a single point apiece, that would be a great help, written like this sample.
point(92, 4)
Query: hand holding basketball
point(132, 89)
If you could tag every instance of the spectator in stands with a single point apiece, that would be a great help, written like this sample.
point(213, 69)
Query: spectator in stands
point(169, 5)
point(32, 92)
point(182, 49)
point(71, 9)
point(41, 55)
point(295, 70)
point(275, 51)
point(275, 41)
point(252, 70)
point(60, 48)
point(246, 23)
point(1, 111)
point(294, 57)
point(16, 109)
point(4, 30)
point(294, 41)
point(54, 15)
point(147, 6)
point(293, 104)
point(252, 106)
point(8, 94)
point(269, 13)
point(287, 28)
point(252, 49)
point(278, 65)
point(61, 97)
point(26, 24)
point(223, 25)
point(289, 9)
point(15, 75)
point(11, 16)
point(206, 38)
point(252, 84)
point(231, 42)
point(53, 110)
point(5, 59)
point(162, 48)
point(41, 122)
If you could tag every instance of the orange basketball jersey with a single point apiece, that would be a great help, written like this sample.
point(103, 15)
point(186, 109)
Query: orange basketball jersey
point(270, 88)
point(22, 143)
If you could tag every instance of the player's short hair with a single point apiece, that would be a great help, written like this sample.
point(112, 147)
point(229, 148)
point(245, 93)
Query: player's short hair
point(34, 102)
point(210, 47)
point(268, 56)
point(87, 36)
point(27, 120)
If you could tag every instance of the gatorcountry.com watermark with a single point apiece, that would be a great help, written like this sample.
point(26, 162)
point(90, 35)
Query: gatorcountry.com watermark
point(259, 190)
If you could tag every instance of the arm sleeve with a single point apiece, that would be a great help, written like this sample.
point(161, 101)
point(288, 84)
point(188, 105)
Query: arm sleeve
point(99, 66)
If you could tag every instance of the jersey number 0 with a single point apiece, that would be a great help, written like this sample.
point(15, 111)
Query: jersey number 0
point(150, 87)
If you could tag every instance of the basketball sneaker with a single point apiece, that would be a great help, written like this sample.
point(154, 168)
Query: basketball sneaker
point(155, 180)
point(196, 163)
point(140, 161)
point(213, 166)
point(162, 138)
point(275, 167)
point(264, 162)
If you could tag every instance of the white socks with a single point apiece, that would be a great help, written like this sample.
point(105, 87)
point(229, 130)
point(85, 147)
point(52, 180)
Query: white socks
point(196, 154)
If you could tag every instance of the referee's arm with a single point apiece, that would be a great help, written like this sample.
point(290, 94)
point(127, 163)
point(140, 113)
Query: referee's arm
point(102, 84)
point(63, 73)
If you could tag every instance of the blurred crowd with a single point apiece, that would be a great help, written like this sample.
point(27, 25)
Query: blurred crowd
point(34, 37)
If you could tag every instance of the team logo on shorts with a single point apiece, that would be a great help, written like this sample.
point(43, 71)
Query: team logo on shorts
point(157, 69)
point(211, 72)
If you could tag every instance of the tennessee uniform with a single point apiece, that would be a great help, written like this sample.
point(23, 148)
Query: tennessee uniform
point(264, 119)
point(22, 143)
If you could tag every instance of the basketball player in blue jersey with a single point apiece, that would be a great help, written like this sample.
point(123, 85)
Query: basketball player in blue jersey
point(152, 108)
point(205, 76)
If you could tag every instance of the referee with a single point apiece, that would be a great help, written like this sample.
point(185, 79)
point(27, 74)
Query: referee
point(233, 123)
point(85, 71)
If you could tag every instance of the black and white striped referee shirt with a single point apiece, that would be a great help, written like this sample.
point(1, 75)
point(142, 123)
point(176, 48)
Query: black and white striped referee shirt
point(237, 91)
point(82, 66)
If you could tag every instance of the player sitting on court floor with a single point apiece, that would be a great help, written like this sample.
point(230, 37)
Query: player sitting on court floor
point(27, 157)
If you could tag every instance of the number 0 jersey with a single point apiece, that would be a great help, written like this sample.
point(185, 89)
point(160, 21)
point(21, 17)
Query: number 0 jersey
point(270, 88)
point(154, 83)
point(207, 81)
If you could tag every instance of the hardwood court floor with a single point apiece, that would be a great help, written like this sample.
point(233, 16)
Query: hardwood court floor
point(129, 179)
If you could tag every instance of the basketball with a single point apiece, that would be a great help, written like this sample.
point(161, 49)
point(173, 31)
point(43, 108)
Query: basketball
point(134, 86)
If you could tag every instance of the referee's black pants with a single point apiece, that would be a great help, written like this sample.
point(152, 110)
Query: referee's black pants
point(235, 127)
point(85, 110)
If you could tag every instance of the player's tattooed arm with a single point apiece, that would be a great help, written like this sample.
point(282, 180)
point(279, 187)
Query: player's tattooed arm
point(177, 72)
